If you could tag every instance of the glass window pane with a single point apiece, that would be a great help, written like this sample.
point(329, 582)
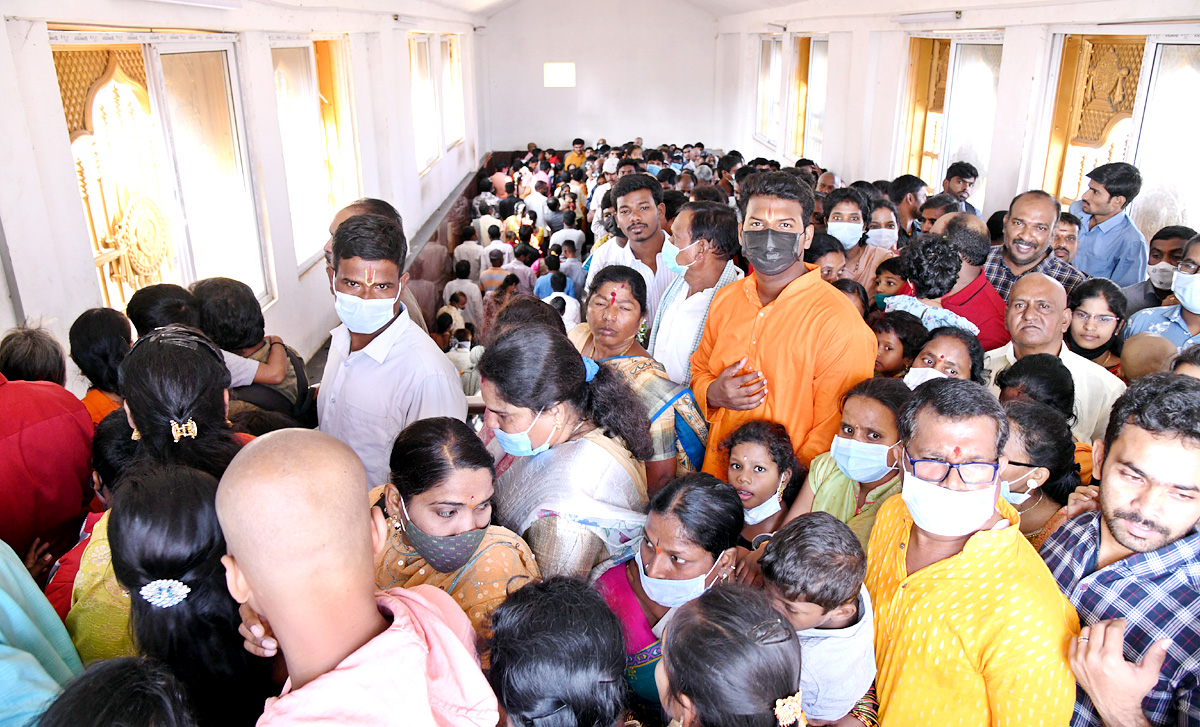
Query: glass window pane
point(424, 103)
point(304, 151)
point(814, 116)
point(452, 92)
point(1167, 155)
point(217, 201)
point(764, 88)
point(971, 112)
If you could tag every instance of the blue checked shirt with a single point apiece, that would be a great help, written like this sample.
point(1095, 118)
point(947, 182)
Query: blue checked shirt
point(1159, 595)
point(1003, 279)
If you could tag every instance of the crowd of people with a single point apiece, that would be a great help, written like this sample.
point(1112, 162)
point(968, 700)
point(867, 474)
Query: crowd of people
point(757, 447)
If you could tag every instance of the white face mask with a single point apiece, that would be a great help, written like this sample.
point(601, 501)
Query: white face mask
point(669, 593)
point(883, 237)
point(917, 376)
point(362, 315)
point(945, 512)
point(1161, 275)
point(1187, 290)
point(765, 509)
point(847, 233)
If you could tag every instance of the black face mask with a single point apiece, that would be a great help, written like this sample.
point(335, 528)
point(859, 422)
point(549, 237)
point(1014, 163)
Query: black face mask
point(610, 226)
point(771, 251)
point(1091, 354)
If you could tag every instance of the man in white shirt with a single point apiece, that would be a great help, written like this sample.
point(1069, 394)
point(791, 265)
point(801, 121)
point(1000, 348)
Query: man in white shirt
point(473, 313)
point(570, 231)
point(706, 234)
point(470, 251)
point(572, 268)
point(1037, 317)
point(487, 218)
point(535, 202)
point(639, 203)
point(595, 211)
point(525, 257)
point(383, 373)
point(570, 313)
point(497, 244)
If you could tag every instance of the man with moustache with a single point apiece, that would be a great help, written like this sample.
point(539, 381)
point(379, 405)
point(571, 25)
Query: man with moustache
point(1132, 568)
point(1028, 227)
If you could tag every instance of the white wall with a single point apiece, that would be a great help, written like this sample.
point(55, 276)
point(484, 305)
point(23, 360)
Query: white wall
point(642, 68)
point(45, 242)
point(868, 57)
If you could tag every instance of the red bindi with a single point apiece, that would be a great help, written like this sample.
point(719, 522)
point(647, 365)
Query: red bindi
point(613, 298)
point(957, 451)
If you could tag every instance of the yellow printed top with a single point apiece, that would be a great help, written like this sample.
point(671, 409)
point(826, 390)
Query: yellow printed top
point(979, 638)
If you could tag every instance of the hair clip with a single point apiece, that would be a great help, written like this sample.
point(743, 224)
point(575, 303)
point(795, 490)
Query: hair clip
point(590, 368)
point(789, 711)
point(187, 429)
point(164, 593)
point(769, 632)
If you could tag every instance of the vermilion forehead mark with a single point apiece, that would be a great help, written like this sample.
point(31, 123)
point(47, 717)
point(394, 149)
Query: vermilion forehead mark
point(370, 275)
point(612, 297)
point(957, 451)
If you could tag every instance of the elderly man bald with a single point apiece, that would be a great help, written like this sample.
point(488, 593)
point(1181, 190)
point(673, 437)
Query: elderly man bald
point(300, 554)
point(973, 297)
point(1037, 317)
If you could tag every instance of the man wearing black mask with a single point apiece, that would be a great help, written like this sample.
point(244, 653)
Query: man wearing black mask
point(780, 344)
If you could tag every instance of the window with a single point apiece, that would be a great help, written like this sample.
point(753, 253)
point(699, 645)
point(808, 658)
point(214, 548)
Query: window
point(160, 157)
point(970, 113)
point(452, 92)
point(318, 142)
point(953, 88)
point(807, 113)
point(768, 126)
point(424, 102)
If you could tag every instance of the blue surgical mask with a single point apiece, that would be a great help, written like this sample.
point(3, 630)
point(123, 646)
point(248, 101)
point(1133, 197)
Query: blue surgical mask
point(653, 169)
point(1015, 498)
point(861, 461)
point(1187, 290)
point(518, 445)
point(667, 592)
point(670, 255)
point(362, 315)
point(847, 233)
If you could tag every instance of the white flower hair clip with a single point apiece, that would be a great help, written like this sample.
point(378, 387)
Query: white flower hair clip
point(164, 593)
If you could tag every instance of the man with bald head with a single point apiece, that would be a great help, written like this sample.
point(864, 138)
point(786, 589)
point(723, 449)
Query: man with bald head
point(301, 540)
point(973, 297)
point(1028, 231)
point(827, 182)
point(1037, 317)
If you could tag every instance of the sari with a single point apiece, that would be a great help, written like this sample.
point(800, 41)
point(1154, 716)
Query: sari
point(501, 564)
point(643, 648)
point(98, 621)
point(579, 505)
point(677, 428)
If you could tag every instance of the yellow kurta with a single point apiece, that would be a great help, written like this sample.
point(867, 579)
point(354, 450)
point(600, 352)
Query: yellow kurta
point(98, 621)
point(979, 638)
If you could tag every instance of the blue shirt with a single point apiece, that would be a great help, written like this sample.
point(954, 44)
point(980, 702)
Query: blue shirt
point(1158, 593)
point(1114, 249)
point(1166, 321)
point(542, 287)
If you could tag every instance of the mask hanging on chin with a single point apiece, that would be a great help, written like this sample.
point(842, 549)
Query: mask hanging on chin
point(1014, 498)
point(771, 251)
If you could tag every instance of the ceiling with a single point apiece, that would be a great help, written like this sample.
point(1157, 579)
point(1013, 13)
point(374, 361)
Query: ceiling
point(717, 8)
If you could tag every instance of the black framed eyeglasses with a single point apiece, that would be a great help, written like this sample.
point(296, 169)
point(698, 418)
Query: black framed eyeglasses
point(971, 473)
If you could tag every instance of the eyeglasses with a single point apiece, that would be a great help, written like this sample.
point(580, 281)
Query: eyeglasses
point(1083, 317)
point(1187, 267)
point(971, 473)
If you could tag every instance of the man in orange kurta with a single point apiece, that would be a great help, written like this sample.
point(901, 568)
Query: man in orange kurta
point(779, 345)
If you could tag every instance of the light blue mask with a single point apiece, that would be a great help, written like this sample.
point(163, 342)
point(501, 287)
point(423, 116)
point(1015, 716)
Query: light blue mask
point(518, 445)
point(860, 461)
point(670, 255)
point(667, 592)
point(364, 316)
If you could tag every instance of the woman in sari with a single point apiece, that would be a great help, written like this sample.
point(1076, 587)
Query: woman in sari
point(616, 311)
point(174, 381)
point(576, 490)
point(688, 544)
point(439, 510)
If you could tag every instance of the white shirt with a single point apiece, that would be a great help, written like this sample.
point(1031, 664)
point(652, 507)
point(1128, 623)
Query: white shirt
point(536, 201)
point(837, 666)
point(1096, 389)
point(484, 223)
point(367, 397)
point(570, 316)
point(656, 282)
point(472, 252)
point(473, 313)
point(241, 369)
point(567, 233)
point(503, 247)
point(676, 340)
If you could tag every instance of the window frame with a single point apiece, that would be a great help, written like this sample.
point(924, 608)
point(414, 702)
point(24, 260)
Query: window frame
point(775, 136)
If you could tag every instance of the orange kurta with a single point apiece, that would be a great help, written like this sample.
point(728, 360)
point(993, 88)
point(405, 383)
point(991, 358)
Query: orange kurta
point(811, 345)
point(979, 638)
point(98, 405)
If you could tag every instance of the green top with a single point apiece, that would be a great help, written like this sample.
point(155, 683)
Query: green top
point(837, 494)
